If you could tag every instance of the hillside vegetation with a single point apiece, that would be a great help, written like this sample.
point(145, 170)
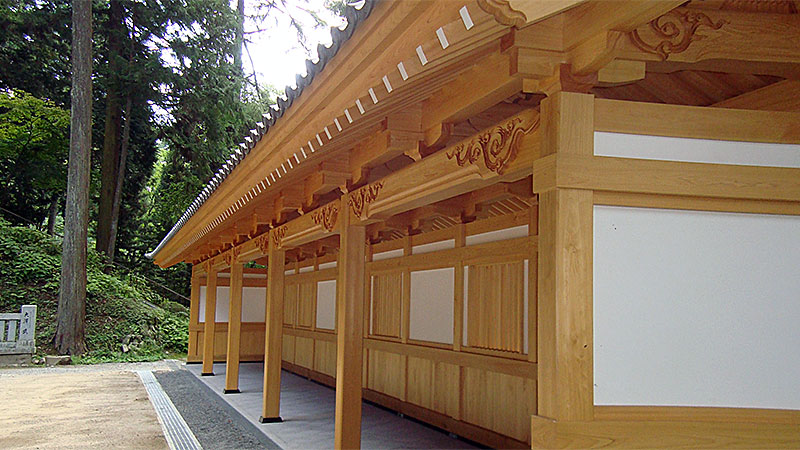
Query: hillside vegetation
point(125, 319)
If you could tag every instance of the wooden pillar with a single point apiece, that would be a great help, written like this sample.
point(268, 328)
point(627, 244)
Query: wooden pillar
point(349, 338)
point(458, 290)
point(194, 310)
point(565, 342)
point(273, 339)
point(210, 324)
point(234, 329)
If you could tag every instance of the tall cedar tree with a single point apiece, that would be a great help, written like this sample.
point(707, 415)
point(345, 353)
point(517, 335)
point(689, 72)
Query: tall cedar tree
point(70, 326)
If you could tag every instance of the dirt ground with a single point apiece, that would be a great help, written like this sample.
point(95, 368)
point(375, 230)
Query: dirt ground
point(69, 408)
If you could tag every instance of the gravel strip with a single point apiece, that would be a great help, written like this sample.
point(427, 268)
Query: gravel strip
point(90, 368)
point(215, 423)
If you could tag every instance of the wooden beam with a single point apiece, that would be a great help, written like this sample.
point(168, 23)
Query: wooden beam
point(234, 327)
point(617, 116)
point(349, 346)
point(564, 306)
point(519, 13)
point(211, 313)
point(665, 433)
point(490, 81)
point(595, 18)
point(455, 170)
point(643, 176)
point(781, 96)
point(706, 35)
point(273, 338)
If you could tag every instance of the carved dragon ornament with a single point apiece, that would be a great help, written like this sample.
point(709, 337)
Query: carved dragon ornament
point(277, 235)
point(326, 216)
point(363, 197)
point(496, 147)
point(673, 32)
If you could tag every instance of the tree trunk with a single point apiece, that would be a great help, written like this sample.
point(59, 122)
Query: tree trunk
point(237, 55)
point(109, 166)
point(123, 155)
point(70, 325)
point(52, 213)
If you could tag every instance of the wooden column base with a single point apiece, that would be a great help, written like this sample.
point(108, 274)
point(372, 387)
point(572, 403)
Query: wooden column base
point(262, 419)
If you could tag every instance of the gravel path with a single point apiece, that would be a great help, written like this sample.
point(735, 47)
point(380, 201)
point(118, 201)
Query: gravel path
point(215, 423)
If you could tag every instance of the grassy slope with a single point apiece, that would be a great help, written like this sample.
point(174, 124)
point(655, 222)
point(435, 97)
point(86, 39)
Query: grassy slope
point(116, 311)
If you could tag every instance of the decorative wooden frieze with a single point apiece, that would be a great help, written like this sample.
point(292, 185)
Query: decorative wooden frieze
point(232, 256)
point(359, 199)
point(277, 235)
point(496, 147)
point(326, 216)
point(263, 243)
point(673, 32)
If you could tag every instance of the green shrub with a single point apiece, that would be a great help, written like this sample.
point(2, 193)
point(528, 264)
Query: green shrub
point(122, 311)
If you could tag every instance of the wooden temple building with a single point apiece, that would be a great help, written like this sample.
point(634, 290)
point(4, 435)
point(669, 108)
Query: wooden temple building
point(546, 223)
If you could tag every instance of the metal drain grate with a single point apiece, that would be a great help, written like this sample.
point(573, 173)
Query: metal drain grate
point(177, 432)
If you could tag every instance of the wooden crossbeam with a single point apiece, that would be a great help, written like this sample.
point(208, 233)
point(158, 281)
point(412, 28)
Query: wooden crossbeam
point(780, 96)
point(717, 35)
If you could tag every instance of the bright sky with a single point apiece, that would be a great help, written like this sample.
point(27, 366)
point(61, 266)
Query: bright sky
point(276, 53)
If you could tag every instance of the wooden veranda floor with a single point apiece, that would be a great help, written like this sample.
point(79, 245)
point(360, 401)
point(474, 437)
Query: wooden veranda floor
point(307, 409)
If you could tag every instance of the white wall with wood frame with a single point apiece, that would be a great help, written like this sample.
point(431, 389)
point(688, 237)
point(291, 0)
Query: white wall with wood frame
point(623, 194)
point(481, 386)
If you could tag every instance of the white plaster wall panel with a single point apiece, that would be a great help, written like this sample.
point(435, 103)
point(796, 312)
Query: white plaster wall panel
point(387, 255)
point(696, 308)
point(431, 307)
point(696, 150)
point(201, 314)
point(254, 303)
point(433, 247)
point(498, 235)
point(221, 306)
point(223, 303)
point(306, 269)
point(327, 265)
point(326, 304)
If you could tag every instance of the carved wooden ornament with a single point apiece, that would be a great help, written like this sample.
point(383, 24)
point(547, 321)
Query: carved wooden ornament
point(363, 197)
point(277, 235)
point(503, 12)
point(263, 243)
point(232, 256)
point(673, 32)
point(496, 147)
point(326, 216)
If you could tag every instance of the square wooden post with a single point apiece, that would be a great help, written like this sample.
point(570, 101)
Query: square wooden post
point(194, 310)
point(234, 329)
point(565, 341)
point(210, 324)
point(273, 338)
point(350, 328)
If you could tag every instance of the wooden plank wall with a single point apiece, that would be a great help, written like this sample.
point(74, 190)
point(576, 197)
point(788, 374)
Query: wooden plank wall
point(483, 388)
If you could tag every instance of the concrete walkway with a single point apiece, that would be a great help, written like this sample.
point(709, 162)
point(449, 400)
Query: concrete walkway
point(307, 409)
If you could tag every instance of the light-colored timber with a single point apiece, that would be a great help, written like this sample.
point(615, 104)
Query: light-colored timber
point(453, 142)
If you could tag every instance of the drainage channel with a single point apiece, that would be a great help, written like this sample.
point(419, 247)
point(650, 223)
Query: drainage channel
point(176, 431)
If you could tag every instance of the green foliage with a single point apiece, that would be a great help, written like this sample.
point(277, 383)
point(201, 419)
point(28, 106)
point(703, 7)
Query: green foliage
point(120, 308)
point(34, 142)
